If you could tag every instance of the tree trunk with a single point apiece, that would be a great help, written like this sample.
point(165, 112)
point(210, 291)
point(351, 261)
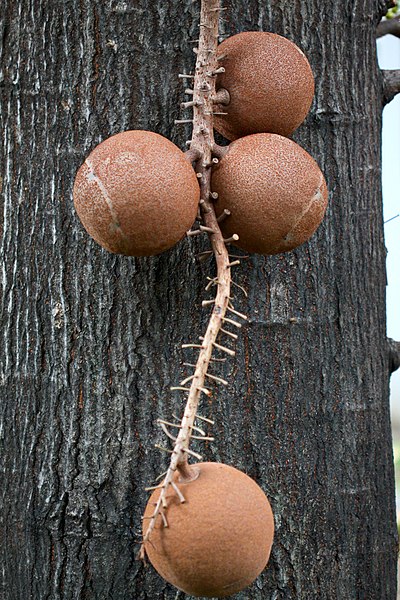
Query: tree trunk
point(91, 341)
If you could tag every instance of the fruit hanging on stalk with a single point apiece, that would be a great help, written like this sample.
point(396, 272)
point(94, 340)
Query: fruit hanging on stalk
point(274, 190)
point(270, 84)
point(219, 540)
point(136, 194)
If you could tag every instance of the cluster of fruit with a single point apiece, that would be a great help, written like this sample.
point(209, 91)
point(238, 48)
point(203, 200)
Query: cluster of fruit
point(275, 191)
point(136, 193)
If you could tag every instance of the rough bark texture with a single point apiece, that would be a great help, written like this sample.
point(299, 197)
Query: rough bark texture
point(90, 341)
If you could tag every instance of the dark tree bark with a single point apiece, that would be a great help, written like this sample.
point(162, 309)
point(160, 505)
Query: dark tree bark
point(391, 84)
point(90, 341)
point(387, 26)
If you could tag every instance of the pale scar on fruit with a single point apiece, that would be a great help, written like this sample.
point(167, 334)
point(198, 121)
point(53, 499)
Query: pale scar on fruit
point(93, 178)
point(316, 198)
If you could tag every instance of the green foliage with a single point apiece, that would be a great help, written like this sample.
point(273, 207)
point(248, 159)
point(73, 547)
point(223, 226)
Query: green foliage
point(394, 11)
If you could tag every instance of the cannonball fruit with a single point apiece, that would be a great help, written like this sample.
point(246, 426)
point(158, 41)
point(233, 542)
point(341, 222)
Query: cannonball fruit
point(275, 191)
point(136, 194)
point(270, 83)
point(219, 540)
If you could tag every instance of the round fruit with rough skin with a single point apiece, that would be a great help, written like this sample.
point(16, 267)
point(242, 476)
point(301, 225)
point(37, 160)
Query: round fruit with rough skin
point(270, 83)
point(274, 190)
point(219, 540)
point(136, 194)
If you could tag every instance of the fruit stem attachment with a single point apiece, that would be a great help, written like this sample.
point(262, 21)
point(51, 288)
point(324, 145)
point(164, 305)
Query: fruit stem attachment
point(222, 97)
point(202, 152)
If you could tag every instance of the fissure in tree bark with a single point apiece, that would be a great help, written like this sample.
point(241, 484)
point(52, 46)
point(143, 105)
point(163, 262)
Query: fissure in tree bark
point(91, 342)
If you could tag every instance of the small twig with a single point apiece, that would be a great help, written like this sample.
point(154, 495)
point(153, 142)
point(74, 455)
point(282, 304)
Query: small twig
point(237, 313)
point(207, 229)
point(224, 349)
point(188, 104)
point(208, 302)
point(216, 72)
point(195, 428)
point(163, 448)
point(211, 283)
point(217, 379)
point(203, 207)
point(205, 390)
point(210, 163)
point(178, 492)
point(391, 84)
point(185, 381)
point(179, 387)
point(153, 487)
point(389, 26)
point(192, 346)
point(165, 430)
point(192, 453)
point(161, 476)
point(240, 287)
point(232, 322)
point(224, 215)
point(203, 255)
point(394, 355)
point(232, 335)
point(193, 232)
point(391, 219)
point(206, 419)
point(233, 238)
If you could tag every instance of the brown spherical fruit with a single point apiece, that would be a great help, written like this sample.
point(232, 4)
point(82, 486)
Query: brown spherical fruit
point(136, 194)
point(219, 540)
point(275, 191)
point(270, 83)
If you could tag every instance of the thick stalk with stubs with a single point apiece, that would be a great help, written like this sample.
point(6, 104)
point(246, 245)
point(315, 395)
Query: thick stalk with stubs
point(203, 153)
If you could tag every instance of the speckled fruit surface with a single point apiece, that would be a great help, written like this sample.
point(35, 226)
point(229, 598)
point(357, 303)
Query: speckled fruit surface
point(275, 191)
point(136, 194)
point(270, 83)
point(219, 540)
